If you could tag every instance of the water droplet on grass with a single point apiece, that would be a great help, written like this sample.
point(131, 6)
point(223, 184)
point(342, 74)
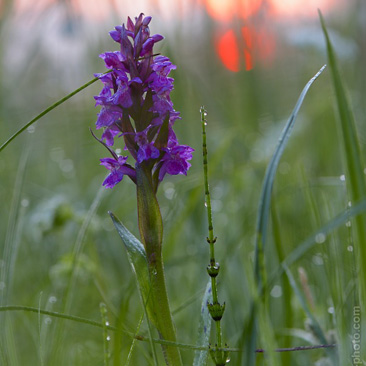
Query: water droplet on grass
point(276, 291)
point(169, 193)
point(31, 129)
point(320, 238)
point(318, 260)
point(52, 299)
point(342, 178)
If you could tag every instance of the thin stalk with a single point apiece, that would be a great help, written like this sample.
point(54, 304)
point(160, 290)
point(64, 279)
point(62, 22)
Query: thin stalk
point(216, 309)
point(106, 337)
point(142, 338)
point(151, 230)
point(49, 109)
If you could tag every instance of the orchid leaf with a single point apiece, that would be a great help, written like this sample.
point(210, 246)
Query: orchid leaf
point(137, 258)
point(204, 328)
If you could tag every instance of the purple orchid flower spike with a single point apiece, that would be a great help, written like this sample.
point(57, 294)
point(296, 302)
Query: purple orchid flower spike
point(136, 105)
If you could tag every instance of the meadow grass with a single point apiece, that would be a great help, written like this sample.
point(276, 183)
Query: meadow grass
point(62, 258)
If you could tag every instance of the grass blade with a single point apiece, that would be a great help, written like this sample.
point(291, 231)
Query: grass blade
point(49, 109)
point(314, 323)
point(355, 177)
point(307, 244)
point(265, 199)
point(262, 314)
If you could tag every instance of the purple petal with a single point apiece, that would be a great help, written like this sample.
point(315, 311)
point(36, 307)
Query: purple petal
point(147, 46)
point(146, 21)
point(109, 134)
point(157, 37)
point(175, 161)
point(117, 170)
point(123, 96)
point(116, 34)
point(108, 115)
point(113, 60)
point(130, 25)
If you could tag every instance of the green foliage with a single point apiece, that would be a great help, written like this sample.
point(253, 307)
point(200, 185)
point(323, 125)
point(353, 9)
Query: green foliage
point(60, 255)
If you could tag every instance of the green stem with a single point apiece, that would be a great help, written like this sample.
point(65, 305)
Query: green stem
point(151, 230)
point(216, 309)
point(165, 324)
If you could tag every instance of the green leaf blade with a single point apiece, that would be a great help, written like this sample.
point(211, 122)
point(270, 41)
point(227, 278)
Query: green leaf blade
point(264, 203)
point(204, 328)
point(355, 178)
point(137, 258)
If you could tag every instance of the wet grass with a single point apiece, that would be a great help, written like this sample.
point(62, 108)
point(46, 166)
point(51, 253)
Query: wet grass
point(61, 257)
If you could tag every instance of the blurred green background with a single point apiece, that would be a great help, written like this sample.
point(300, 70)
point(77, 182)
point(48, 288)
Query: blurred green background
point(50, 177)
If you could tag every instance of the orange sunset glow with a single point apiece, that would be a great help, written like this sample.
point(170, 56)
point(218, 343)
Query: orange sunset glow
point(255, 41)
point(240, 48)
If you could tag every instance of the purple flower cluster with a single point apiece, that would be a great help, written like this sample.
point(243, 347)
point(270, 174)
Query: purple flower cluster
point(136, 105)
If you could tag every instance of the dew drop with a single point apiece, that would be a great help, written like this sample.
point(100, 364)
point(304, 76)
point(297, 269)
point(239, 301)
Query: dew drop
point(31, 129)
point(52, 299)
point(276, 291)
point(318, 260)
point(108, 338)
point(350, 248)
point(205, 204)
point(205, 123)
point(349, 204)
point(169, 193)
point(348, 223)
point(342, 177)
point(331, 310)
point(320, 238)
point(107, 324)
point(48, 321)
